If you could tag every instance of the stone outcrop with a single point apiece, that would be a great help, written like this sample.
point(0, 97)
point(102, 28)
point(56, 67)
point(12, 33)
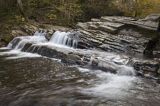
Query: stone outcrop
point(124, 35)
point(118, 34)
point(112, 34)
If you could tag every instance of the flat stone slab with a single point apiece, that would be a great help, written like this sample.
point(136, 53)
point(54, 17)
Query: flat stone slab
point(130, 33)
point(150, 22)
point(106, 28)
point(116, 18)
point(113, 24)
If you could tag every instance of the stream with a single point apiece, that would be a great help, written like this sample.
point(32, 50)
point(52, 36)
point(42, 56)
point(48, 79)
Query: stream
point(32, 79)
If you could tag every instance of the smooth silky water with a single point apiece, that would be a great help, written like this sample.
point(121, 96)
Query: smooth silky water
point(28, 79)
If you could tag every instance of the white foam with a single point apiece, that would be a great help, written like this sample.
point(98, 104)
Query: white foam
point(15, 54)
point(37, 38)
point(62, 38)
point(126, 70)
point(84, 69)
point(4, 48)
point(108, 85)
point(24, 55)
point(59, 37)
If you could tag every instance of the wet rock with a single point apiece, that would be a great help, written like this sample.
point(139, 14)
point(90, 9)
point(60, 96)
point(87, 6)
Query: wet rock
point(72, 59)
point(48, 36)
point(83, 45)
point(33, 49)
point(101, 33)
point(49, 52)
point(111, 48)
point(26, 47)
point(107, 66)
point(14, 42)
point(110, 33)
point(147, 68)
point(102, 65)
point(147, 65)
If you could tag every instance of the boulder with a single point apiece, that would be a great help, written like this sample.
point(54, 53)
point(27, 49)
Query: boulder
point(107, 66)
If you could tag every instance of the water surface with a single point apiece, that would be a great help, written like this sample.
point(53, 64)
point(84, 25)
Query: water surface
point(32, 80)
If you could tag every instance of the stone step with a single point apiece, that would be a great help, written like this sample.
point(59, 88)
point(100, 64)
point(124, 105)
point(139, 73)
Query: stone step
point(113, 24)
point(116, 18)
point(107, 29)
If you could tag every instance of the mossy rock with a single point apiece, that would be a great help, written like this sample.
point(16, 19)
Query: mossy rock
point(7, 38)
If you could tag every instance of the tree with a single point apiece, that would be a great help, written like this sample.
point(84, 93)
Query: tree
point(20, 7)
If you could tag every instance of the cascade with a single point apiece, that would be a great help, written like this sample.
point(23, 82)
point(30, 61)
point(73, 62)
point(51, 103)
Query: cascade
point(58, 38)
point(64, 38)
point(19, 42)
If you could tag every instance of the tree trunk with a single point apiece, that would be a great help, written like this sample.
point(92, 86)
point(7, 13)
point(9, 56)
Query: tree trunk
point(20, 7)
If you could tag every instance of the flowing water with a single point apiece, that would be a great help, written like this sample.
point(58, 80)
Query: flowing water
point(63, 39)
point(28, 79)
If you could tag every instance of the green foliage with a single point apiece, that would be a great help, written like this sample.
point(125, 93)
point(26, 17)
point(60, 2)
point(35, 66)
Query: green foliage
point(137, 8)
point(68, 12)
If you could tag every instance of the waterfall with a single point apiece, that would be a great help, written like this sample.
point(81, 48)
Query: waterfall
point(19, 42)
point(64, 38)
point(58, 38)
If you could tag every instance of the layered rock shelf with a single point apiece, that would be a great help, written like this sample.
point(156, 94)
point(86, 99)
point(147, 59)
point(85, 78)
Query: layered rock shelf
point(119, 34)
point(123, 37)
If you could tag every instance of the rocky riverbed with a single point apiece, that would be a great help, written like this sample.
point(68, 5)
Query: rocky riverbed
point(124, 36)
point(29, 79)
point(99, 63)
